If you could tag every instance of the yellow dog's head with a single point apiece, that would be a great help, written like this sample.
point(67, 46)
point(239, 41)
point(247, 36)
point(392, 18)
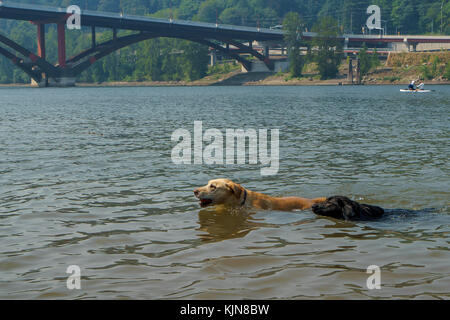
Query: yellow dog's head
point(220, 191)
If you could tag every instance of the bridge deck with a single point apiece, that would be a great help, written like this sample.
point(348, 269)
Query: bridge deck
point(9, 10)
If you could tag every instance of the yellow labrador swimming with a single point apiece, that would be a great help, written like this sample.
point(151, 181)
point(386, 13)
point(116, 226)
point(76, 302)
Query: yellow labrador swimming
point(226, 192)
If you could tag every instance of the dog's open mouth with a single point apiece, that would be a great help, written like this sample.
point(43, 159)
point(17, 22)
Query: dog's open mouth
point(205, 202)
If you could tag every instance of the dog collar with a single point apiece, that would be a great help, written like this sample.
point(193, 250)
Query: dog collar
point(245, 198)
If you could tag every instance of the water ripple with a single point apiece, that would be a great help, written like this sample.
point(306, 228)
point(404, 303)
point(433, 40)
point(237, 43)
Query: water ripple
point(87, 179)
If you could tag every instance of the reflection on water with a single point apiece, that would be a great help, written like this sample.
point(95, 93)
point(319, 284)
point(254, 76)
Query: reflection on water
point(222, 224)
point(87, 180)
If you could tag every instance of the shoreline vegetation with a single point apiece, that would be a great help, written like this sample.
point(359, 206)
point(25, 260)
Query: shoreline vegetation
point(230, 80)
point(398, 69)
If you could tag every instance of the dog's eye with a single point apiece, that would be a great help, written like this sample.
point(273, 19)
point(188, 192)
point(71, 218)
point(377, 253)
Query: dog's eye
point(213, 187)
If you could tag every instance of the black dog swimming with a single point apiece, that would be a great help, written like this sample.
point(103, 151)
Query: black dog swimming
point(340, 207)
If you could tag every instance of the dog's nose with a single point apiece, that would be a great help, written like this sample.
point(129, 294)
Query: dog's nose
point(196, 192)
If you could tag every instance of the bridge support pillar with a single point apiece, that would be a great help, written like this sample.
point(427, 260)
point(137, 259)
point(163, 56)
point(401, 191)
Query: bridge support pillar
point(346, 46)
point(41, 84)
point(41, 53)
point(410, 44)
point(266, 51)
point(62, 82)
point(350, 71)
point(41, 40)
point(62, 44)
point(358, 71)
point(213, 57)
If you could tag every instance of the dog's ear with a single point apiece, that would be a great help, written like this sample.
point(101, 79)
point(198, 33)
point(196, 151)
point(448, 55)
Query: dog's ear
point(351, 210)
point(347, 207)
point(340, 202)
point(348, 212)
point(235, 188)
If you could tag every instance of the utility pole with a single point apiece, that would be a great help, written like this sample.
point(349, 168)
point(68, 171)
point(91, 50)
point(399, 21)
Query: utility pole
point(351, 22)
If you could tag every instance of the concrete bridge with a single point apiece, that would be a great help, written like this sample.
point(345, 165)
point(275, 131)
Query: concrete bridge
point(232, 41)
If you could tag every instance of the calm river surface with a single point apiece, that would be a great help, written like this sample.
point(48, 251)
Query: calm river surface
point(87, 179)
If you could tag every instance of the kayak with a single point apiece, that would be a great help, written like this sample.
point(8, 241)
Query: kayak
point(414, 91)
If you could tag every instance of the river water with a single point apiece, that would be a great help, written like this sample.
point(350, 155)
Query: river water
point(87, 179)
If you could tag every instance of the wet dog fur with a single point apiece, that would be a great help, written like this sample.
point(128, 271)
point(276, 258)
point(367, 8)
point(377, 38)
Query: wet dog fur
point(341, 207)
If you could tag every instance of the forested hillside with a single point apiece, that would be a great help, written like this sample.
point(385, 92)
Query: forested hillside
point(168, 59)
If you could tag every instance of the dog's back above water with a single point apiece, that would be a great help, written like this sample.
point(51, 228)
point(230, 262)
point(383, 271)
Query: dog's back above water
point(228, 193)
point(341, 207)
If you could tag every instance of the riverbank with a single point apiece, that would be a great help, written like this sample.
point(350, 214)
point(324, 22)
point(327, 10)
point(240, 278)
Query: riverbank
point(398, 69)
point(258, 79)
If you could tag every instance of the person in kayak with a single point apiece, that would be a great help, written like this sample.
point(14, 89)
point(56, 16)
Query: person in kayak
point(412, 86)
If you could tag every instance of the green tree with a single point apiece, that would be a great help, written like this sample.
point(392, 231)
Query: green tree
point(109, 5)
point(352, 14)
point(447, 71)
point(194, 60)
point(188, 9)
point(231, 16)
point(329, 48)
point(293, 25)
point(375, 59)
point(431, 72)
point(368, 62)
point(405, 16)
point(430, 21)
point(209, 10)
point(365, 62)
point(446, 18)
